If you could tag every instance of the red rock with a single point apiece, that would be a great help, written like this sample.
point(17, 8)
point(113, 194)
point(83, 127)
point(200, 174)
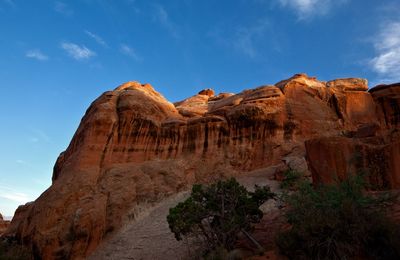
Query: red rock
point(3, 225)
point(208, 92)
point(220, 96)
point(133, 147)
point(349, 84)
point(193, 106)
point(262, 93)
point(335, 158)
point(388, 99)
point(374, 148)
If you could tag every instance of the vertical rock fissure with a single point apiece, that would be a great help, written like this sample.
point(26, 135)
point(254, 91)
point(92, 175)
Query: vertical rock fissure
point(205, 143)
point(334, 103)
point(114, 128)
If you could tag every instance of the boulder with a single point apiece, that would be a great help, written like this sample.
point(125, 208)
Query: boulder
point(208, 92)
point(348, 84)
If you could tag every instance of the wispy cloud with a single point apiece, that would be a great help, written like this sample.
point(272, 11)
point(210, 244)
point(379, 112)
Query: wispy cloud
point(6, 5)
point(132, 4)
point(306, 9)
point(245, 38)
point(63, 8)
point(33, 139)
point(38, 135)
point(20, 161)
point(13, 195)
point(97, 38)
point(161, 16)
point(16, 196)
point(36, 54)
point(387, 46)
point(129, 51)
point(77, 52)
point(8, 2)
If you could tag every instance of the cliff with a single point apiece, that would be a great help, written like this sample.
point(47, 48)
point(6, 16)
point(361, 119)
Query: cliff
point(133, 147)
point(373, 150)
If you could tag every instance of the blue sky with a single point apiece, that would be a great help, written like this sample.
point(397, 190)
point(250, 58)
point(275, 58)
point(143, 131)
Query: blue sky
point(56, 57)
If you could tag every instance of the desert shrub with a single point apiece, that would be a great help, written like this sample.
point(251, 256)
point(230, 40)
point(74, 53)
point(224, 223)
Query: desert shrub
point(339, 221)
point(291, 179)
point(218, 213)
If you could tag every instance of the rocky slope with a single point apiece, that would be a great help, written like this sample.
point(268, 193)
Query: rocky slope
point(149, 237)
point(133, 148)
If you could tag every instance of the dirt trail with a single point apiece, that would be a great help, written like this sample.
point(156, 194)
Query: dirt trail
point(149, 237)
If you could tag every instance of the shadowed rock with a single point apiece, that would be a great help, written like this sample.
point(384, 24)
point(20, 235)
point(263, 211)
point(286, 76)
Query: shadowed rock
point(3, 225)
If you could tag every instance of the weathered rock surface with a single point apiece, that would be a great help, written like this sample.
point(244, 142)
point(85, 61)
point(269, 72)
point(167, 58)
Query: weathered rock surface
point(334, 158)
point(3, 225)
point(133, 148)
point(388, 99)
point(372, 149)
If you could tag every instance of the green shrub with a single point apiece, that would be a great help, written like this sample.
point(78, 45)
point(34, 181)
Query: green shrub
point(217, 213)
point(338, 221)
point(291, 179)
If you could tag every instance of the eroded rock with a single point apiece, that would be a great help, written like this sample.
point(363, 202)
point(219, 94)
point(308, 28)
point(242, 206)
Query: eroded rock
point(133, 148)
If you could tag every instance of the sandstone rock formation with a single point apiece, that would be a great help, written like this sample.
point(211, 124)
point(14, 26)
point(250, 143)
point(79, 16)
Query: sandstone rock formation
point(133, 148)
point(3, 225)
point(373, 149)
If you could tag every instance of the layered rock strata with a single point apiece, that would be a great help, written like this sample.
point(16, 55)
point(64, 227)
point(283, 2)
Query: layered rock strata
point(133, 148)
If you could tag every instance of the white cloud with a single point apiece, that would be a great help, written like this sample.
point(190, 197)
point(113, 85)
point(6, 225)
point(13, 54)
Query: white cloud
point(63, 8)
point(97, 38)
point(306, 9)
point(36, 54)
point(129, 51)
point(161, 15)
point(387, 45)
point(13, 195)
point(77, 52)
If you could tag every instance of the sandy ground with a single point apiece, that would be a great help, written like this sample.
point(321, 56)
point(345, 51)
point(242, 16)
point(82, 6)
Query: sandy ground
point(148, 237)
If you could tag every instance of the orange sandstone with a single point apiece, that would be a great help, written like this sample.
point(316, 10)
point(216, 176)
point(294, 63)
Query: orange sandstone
point(134, 147)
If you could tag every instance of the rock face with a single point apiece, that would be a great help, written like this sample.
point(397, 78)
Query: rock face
point(335, 158)
point(133, 148)
point(3, 225)
point(373, 149)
